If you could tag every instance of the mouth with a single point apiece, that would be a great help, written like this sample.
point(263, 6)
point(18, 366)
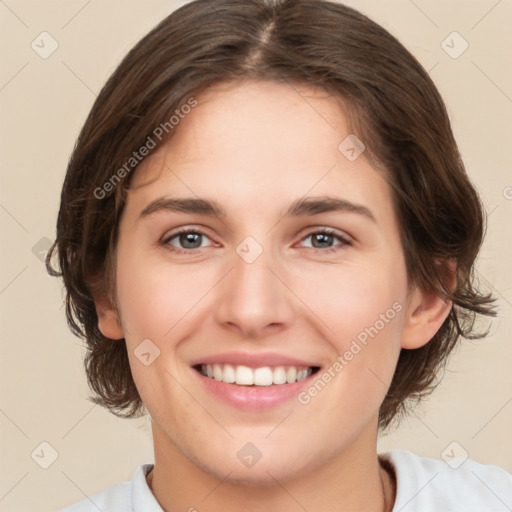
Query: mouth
point(264, 376)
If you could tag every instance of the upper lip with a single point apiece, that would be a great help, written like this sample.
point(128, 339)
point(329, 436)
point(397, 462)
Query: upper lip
point(254, 360)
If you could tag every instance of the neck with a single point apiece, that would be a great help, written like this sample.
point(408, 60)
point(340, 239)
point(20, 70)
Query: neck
point(352, 480)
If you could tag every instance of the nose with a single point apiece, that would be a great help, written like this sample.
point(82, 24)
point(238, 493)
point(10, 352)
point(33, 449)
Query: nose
point(253, 299)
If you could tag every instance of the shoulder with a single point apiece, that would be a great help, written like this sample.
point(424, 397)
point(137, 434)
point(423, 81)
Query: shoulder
point(123, 497)
point(113, 499)
point(425, 484)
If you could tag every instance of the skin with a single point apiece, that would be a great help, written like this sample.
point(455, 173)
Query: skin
point(254, 148)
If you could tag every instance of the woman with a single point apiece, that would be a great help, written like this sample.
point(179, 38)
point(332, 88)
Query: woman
point(267, 238)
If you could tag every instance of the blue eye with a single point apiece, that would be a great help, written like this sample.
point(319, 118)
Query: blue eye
point(324, 238)
point(189, 239)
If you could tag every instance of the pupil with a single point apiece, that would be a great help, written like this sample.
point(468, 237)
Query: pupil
point(189, 239)
point(322, 238)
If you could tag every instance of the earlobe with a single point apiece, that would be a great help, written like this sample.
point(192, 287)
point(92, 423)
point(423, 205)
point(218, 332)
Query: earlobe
point(426, 310)
point(108, 319)
point(425, 315)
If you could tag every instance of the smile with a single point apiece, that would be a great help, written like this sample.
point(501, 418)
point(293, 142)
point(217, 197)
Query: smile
point(263, 376)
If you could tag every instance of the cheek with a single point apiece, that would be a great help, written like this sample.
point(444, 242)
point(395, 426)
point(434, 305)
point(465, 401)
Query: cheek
point(363, 306)
point(355, 297)
point(154, 295)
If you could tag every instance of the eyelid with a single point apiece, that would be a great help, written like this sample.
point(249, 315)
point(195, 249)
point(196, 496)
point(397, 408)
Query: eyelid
point(185, 229)
point(344, 239)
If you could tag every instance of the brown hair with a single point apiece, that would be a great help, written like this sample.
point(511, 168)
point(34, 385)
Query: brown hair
point(400, 117)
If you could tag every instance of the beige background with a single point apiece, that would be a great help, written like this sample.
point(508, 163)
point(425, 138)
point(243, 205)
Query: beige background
point(44, 102)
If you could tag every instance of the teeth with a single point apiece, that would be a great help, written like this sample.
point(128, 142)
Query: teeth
point(217, 372)
point(279, 375)
point(264, 376)
point(229, 375)
point(291, 375)
point(244, 376)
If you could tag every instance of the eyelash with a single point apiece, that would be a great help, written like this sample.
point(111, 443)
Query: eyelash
point(324, 231)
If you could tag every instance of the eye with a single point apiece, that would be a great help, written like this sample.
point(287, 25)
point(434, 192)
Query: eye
point(323, 239)
point(186, 240)
point(189, 239)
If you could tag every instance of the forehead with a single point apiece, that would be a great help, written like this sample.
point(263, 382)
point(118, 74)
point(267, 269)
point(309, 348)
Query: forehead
point(254, 119)
point(251, 142)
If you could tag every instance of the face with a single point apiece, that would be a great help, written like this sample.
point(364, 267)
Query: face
point(290, 267)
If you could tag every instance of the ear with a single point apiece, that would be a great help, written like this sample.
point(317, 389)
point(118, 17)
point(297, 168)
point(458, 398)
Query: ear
point(108, 318)
point(425, 313)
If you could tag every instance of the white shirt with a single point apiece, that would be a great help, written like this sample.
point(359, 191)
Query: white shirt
point(423, 485)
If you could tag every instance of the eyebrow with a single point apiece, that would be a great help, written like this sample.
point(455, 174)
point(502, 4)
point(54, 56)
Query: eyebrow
point(299, 208)
point(183, 205)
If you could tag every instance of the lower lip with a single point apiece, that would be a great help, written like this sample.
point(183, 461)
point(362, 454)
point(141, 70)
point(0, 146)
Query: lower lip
point(254, 398)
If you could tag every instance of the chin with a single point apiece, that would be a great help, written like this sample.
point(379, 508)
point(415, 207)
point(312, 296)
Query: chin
point(257, 476)
point(272, 467)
